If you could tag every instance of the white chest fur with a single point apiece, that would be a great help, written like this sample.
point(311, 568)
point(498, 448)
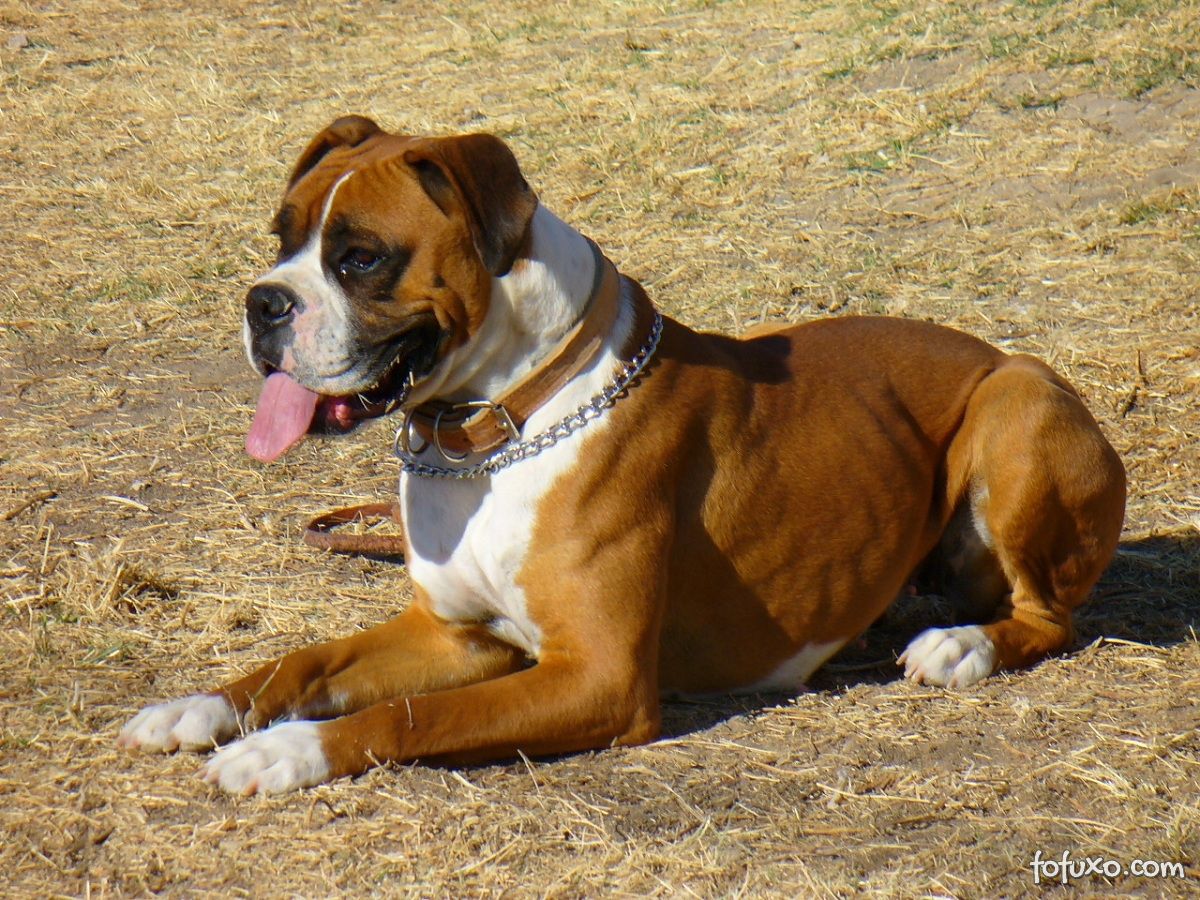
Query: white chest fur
point(470, 538)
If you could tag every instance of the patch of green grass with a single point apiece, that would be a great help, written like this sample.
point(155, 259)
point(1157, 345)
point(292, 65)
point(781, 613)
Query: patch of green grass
point(43, 645)
point(892, 50)
point(1001, 46)
point(717, 175)
point(128, 289)
point(877, 53)
point(112, 653)
point(1124, 8)
point(843, 70)
point(1146, 73)
point(1067, 56)
point(895, 152)
point(872, 302)
point(1039, 101)
point(1150, 208)
point(886, 13)
point(344, 25)
point(875, 161)
point(216, 268)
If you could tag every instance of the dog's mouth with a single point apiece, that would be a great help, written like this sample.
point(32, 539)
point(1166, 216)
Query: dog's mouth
point(287, 411)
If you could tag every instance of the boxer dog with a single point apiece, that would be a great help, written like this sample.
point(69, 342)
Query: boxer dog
point(601, 505)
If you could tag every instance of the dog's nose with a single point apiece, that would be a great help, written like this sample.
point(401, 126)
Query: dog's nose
point(268, 305)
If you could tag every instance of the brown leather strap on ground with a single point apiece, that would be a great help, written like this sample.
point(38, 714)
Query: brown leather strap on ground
point(463, 429)
point(319, 532)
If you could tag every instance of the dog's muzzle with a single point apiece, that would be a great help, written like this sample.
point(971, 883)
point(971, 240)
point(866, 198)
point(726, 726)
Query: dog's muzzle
point(269, 309)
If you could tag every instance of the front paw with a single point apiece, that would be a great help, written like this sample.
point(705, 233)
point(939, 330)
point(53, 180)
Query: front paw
point(199, 722)
point(282, 758)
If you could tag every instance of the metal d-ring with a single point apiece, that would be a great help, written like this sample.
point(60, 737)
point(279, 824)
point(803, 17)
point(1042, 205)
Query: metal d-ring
point(402, 443)
point(437, 439)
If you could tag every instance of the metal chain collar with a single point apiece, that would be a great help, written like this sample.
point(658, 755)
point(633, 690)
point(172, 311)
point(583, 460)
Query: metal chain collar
point(506, 456)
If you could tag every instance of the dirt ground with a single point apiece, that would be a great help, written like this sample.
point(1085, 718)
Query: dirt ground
point(1028, 172)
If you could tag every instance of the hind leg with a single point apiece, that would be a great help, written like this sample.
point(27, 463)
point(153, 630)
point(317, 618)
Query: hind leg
point(1046, 495)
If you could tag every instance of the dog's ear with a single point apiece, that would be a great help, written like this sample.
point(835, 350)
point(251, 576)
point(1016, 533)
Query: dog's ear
point(348, 130)
point(476, 176)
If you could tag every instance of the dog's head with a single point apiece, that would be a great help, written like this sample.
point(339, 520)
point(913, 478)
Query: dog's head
point(388, 248)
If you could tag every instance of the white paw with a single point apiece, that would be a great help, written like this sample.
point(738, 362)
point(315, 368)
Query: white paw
point(282, 758)
point(199, 722)
point(949, 657)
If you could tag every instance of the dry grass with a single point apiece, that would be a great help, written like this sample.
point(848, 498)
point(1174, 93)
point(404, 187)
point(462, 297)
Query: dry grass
point(1025, 171)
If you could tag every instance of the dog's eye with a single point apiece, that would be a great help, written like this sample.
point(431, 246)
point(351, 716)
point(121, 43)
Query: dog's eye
point(358, 261)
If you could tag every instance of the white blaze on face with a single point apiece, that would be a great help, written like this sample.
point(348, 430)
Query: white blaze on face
point(320, 354)
point(322, 350)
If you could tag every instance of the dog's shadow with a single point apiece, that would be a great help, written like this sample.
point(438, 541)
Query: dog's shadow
point(1150, 594)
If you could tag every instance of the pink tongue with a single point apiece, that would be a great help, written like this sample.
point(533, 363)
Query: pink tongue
point(284, 414)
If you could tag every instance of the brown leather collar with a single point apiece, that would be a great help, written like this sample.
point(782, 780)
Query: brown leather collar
point(459, 430)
